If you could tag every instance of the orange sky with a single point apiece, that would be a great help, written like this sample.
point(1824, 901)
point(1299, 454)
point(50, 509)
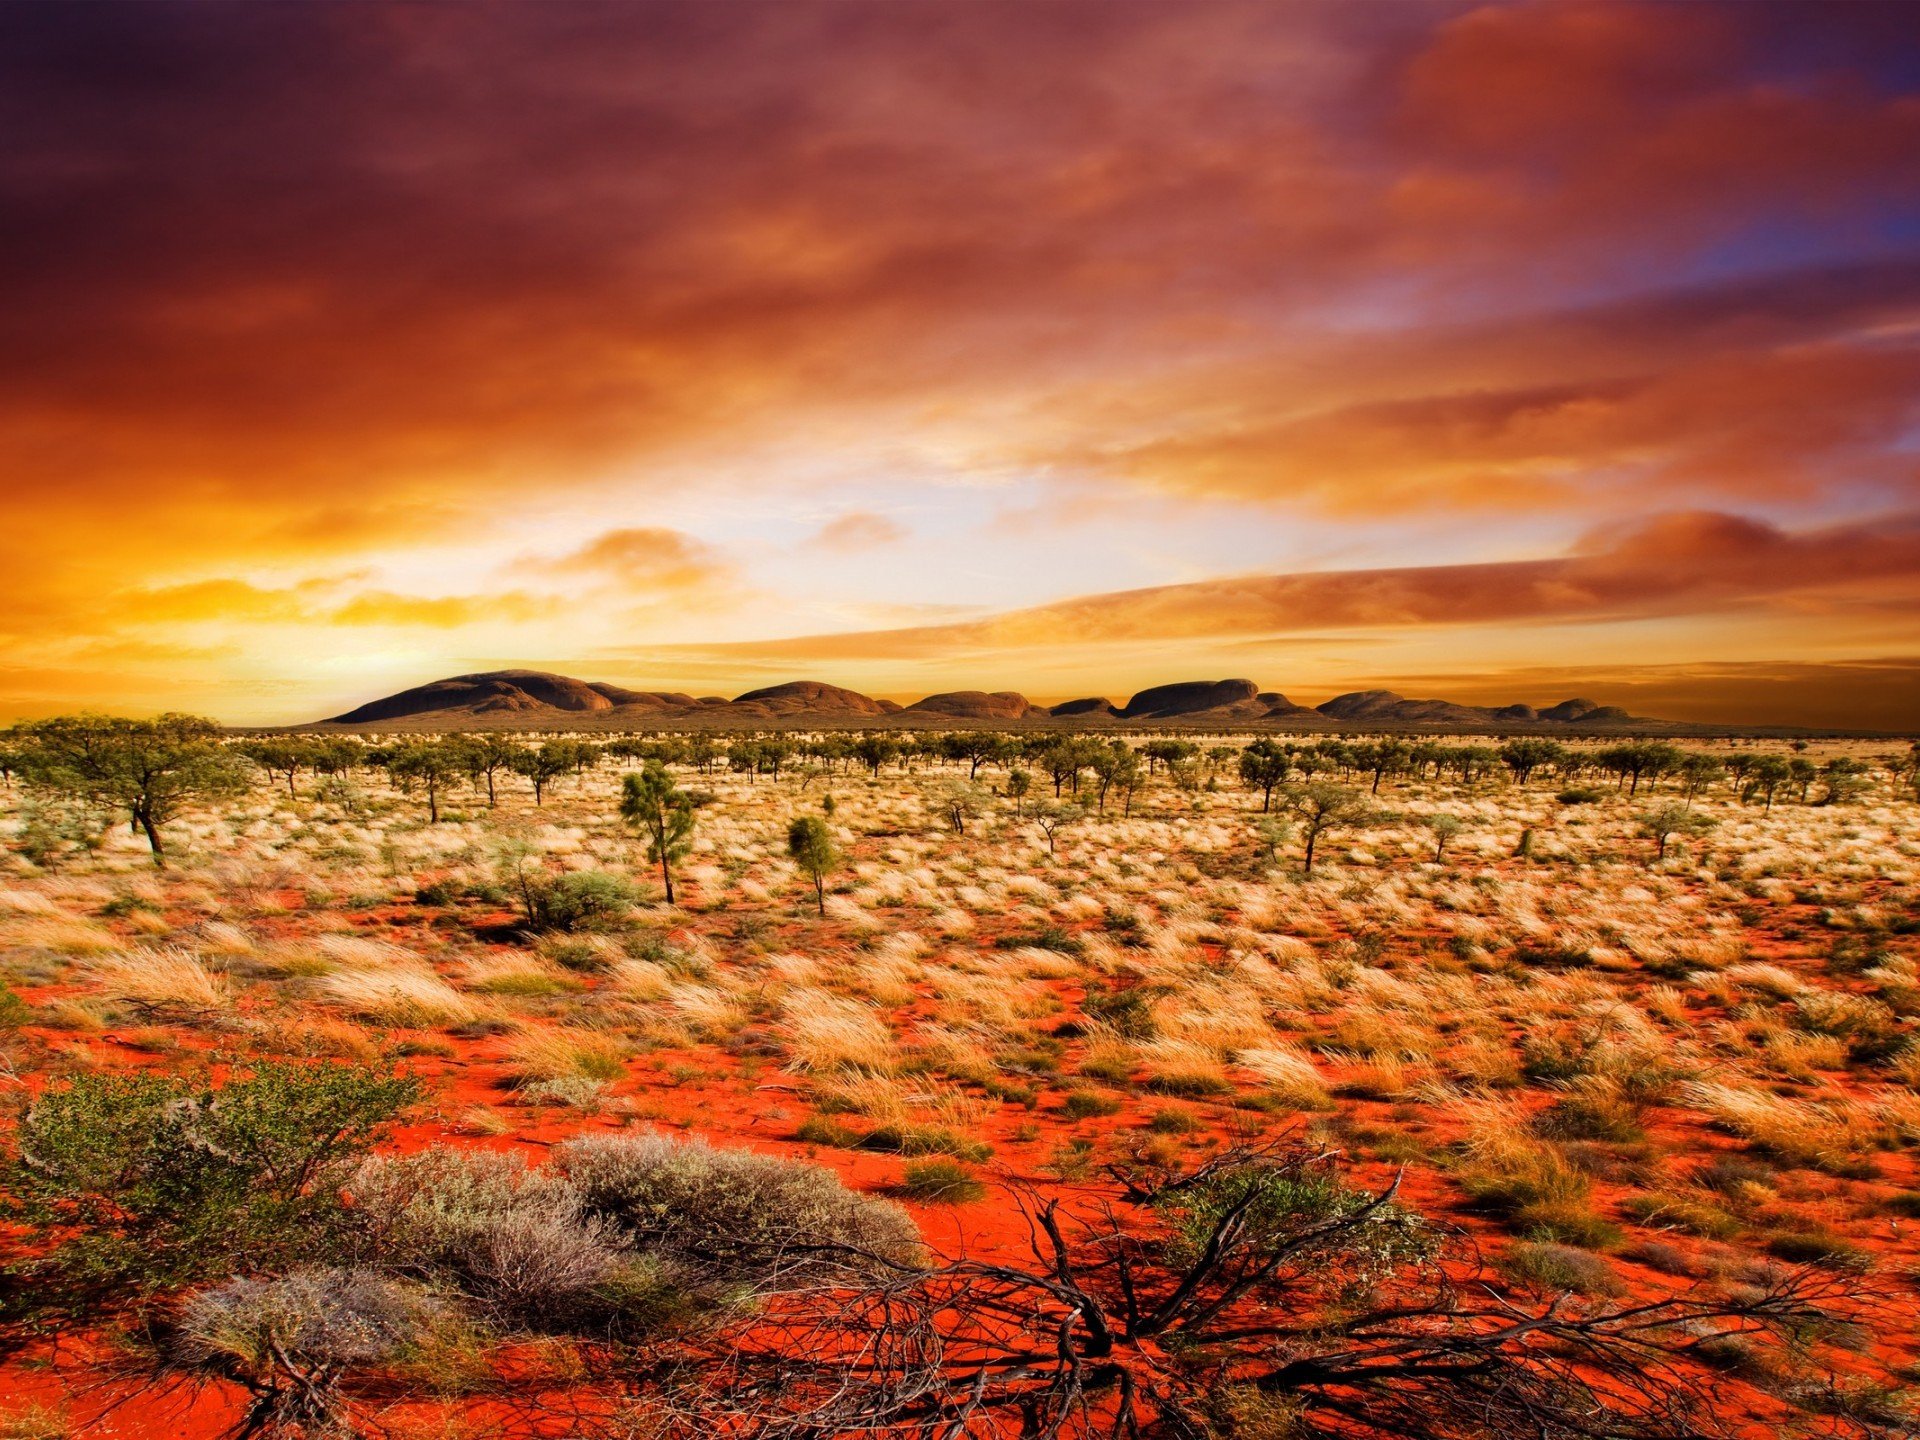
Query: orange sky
point(1501, 352)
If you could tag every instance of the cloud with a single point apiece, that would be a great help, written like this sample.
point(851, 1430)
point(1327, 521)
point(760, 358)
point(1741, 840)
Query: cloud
point(638, 559)
point(305, 293)
point(1664, 565)
point(856, 531)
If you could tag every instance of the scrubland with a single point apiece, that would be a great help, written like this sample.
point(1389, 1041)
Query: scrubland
point(1598, 1059)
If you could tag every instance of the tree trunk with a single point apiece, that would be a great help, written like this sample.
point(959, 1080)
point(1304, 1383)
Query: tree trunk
point(1312, 835)
point(666, 878)
point(145, 821)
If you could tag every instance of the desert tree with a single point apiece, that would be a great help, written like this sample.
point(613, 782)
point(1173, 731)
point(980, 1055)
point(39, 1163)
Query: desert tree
point(958, 802)
point(281, 756)
point(810, 846)
point(434, 765)
point(875, 751)
point(1115, 764)
point(1264, 765)
point(1764, 777)
point(1019, 782)
point(653, 804)
point(542, 765)
point(147, 770)
point(1697, 772)
point(1053, 817)
point(1320, 806)
point(1664, 825)
point(1844, 778)
point(1527, 754)
point(1444, 827)
point(485, 756)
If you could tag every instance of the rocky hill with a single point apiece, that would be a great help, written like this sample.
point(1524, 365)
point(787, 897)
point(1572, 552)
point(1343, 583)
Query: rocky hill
point(537, 699)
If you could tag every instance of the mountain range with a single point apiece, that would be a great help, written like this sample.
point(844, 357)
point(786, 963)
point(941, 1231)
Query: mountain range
point(535, 699)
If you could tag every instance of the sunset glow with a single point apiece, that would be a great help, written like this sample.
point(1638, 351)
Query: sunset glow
point(1505, 352)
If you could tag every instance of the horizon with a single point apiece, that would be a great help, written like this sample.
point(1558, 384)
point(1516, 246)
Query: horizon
point(1068, 348)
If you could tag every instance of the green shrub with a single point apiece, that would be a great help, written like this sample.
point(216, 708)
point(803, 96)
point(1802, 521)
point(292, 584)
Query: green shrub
point(289, 1338)
point(733, 1216)
point(1128, 1011)
point(142, 1181)
point(1086, 1104)
point(578, 900)
point(437, 892)
point(14, 1012)
point(941, 1182)
point(1545, 1265)
point(924, 1140)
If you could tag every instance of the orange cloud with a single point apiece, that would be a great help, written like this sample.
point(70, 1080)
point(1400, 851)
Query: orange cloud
point(1682, 564)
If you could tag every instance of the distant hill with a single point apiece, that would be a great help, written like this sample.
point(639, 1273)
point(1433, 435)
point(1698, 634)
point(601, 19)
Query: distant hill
point(539, 700)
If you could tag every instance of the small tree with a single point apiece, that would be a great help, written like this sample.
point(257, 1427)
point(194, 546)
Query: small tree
point(485, 756)
point(1263, 766)
point(1019, 782)
point(1444, 828)
point(1054, 817)
point(544, 766)
point(435, 764)
point(148, 770)
point(1662, 825)
point(1320, 806)
point(653, 804)
point(810, 843)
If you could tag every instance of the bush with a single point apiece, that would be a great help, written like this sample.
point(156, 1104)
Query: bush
point(147, 1180)
point(941, 1182)
point(14, 1012)
point(729, 1215)
point(1087, 1104)
point(578, 900)
point(288, 1338)
point(1545, 1265)
point(517, 1242)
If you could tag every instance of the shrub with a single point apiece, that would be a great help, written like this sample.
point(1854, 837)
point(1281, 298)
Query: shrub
point(941, 1182)
point(898, 1139)
point(288, 1338)
point(14, 1012)
point(1295, 1210)
point(1545, 1265)
point(736, 1216)
point(578, 900)
point(1127, 1012)
point(149, 1180)
point(1086, 1104)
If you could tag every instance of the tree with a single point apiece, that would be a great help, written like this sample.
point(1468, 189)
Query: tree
point(1019, 782)
point(283, 756)
point(1053, 817)
point(873, 751)
point(1662, 825)
point(1116, 764)
point(485, 756)
point(149, 770)
point(1264, 765)
point(543, 766)
point(1526, 755)
point(1444, 828)
point(1698, 771)
point(810, 844)
point(1765, 775)
point(435, 764)
point(1845, 779)
point(1320, 806)
point(653, 804)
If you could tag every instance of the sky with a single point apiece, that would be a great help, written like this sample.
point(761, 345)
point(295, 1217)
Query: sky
point(1497, 352)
